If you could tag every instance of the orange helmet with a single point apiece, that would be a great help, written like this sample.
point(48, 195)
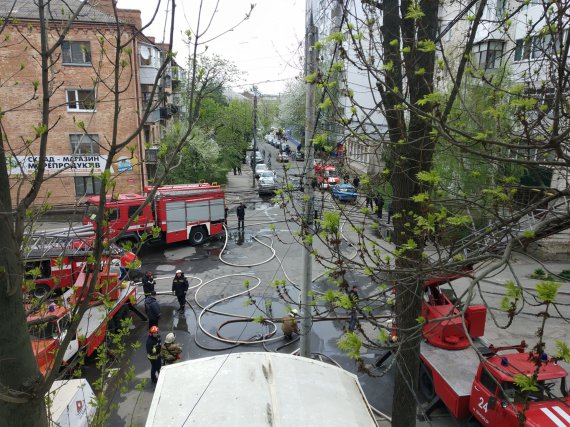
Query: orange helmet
point(153, 330)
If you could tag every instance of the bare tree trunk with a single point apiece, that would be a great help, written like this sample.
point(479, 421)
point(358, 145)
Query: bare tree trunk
point(21, 395)
point(409, 158)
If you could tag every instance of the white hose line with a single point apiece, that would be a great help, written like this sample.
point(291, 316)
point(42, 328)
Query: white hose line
point(208, 309)
point(270, 247)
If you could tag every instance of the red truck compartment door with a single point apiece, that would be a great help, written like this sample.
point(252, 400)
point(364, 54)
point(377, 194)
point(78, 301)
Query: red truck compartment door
point(175, 222)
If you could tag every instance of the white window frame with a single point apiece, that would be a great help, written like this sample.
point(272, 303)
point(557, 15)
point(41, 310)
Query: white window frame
point(85, 48)
point(84, 140)
point(76, 102)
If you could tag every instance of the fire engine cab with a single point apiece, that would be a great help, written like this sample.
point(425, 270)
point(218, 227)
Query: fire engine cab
point(49, 324)
point(191, 212)
point(326, 175)
point(473, 378)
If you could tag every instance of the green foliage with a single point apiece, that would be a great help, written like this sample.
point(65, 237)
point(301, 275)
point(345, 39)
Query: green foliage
point(525, 383)
point(546, 291)
point(562, 351)
point(414, 11)
point(351, 344)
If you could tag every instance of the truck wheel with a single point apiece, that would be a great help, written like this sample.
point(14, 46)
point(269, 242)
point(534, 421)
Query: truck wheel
point(427, 388)
point(40, 291)
point(198, 235)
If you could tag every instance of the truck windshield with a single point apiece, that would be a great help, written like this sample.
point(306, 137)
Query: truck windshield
point(42, 331)
point(91, 211)
point(550, 389)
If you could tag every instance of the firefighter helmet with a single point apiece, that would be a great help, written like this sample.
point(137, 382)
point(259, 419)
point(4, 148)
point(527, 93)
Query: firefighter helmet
point(170, 338)
point(153, 330)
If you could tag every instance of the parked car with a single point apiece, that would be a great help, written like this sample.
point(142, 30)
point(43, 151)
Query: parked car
point(282, 157)
point(266, 183)
point(344, 193)
point(299, 155)
point(260, 167)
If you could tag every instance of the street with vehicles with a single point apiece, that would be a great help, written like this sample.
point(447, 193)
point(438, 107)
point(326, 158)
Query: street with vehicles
point(232, 280)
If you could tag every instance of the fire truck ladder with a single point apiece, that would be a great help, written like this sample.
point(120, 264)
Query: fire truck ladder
point(72, 242)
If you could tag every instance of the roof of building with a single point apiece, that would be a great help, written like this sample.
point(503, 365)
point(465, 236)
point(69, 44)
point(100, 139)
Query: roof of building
point(56, 9)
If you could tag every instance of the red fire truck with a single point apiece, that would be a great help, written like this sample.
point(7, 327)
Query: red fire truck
point(326, 175)
point(179, 212)
point(479, 380)
point(53, 259)
point(48, 325)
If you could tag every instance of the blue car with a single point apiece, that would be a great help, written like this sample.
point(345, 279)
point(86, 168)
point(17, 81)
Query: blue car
point(344, 193)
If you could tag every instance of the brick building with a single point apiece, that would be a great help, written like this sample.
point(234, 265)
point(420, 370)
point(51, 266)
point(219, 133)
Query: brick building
point(82, 102)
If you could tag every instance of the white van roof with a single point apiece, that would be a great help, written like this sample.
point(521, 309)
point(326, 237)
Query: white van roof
point(258, 389)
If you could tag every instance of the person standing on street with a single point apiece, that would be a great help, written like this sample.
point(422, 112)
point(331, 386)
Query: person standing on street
point(148, 283)
point(170, 350)
point(179, 288)
point(379, 205)
point(289, 324)
point(153, 348)
point(390, 212)
point(356, 182)
point(241, 215)
point(152, 308)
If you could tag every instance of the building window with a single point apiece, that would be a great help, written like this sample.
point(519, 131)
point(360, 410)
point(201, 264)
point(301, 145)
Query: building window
point(500, 8)
point(80, 99)
point(149, 56)
point(84, 143)
point(533, 47)
point(76, 53)
point(487, 55)
point(87, 185)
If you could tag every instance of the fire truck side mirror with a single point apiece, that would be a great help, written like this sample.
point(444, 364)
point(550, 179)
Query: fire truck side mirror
point(492, 403)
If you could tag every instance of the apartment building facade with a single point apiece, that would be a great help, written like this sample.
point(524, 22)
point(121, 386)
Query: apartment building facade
point(96, 100)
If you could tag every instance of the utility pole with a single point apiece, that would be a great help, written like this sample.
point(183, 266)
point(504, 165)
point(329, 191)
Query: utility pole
point(308, 207)
point(253, 155)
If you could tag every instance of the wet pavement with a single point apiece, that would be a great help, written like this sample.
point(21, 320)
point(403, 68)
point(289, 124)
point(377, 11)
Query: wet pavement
point(226, 295)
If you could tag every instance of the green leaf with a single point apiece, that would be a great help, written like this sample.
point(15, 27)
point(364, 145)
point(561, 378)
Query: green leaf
point(525, 383)
point(562, 351)
point(547, 291)
point(420, 198)
point(351, 344)
point(431, 177)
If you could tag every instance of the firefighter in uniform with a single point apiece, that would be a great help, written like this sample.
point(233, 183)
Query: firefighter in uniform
point(170, 350)
point(148, 283)
point(179, 288)
point(289, 324)
point(153, 347)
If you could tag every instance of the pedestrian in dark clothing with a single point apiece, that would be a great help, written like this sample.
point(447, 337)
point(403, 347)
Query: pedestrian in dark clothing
point(153, 347)
point(179, 288)
point(369, 202)
point(356, 182)
point(152, 308)
point(379, 205)
point(235, 170)
point(239, 169)
point(241, 215)
point(353, 294)
point(226, 216)
point(148, 283)
point(390, 212)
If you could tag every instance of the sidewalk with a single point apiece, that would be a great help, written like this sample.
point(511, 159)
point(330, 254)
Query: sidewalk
point(239, 187)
